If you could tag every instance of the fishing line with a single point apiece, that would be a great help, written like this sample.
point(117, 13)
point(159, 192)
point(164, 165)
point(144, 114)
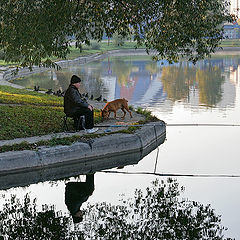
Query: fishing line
point(157, 149)
point(175, 175)
point(155, 167)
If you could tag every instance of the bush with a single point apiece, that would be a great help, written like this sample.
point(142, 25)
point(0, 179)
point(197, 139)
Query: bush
point(2, 54)
point(118, 40)
point(95, 46)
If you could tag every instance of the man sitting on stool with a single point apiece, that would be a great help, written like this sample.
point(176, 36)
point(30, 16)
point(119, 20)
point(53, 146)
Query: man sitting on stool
point(75, 106)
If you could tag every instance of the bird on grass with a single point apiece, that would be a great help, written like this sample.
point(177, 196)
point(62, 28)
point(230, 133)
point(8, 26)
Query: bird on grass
point(63, 93)
point(85, 95)
point(58, 93)
point(99, 98)
point(36, 88)
point(91, 98)
point(49, 91)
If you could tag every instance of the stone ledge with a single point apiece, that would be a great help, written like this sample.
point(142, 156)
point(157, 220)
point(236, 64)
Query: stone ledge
point(142, 141)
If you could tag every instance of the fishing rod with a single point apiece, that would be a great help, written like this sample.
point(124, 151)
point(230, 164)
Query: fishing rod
point(175, 175)
point(203, 124)
point(175, 125)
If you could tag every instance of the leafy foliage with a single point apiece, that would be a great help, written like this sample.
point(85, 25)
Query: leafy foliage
point(31, 32)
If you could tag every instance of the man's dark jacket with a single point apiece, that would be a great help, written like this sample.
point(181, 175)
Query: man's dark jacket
point(73, 101)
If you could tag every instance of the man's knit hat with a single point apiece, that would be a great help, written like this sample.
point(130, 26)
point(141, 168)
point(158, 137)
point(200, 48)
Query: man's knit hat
point(75, 79)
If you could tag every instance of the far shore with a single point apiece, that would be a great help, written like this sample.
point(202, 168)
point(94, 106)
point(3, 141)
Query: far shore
point(7, 72)
point(228, 51)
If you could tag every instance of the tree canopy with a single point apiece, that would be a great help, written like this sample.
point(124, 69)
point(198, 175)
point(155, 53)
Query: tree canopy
point(31, 32)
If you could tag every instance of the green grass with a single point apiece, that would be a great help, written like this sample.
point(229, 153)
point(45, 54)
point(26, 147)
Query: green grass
point(26, 113)
point(27, 121)
point(104, 47)
point(148, 116)
point(20, 118)
point(21, 96)
point(230, 43)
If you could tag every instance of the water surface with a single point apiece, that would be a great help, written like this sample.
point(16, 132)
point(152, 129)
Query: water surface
point(207, 92)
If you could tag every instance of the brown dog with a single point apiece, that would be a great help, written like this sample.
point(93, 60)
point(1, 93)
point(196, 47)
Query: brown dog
point(114, 106)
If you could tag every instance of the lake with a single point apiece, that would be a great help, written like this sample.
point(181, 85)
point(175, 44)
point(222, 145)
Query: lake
point(205, 158)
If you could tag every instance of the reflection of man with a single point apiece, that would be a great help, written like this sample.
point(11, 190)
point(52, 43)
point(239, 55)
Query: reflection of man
point(76, 193)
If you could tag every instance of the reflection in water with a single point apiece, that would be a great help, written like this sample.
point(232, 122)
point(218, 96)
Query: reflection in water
point(21, 220)
point(157, 213)
point(213, 83)
point(122, 70)
point(143, 81)
point(76, 194)
point(210, 86)
point(178, 81)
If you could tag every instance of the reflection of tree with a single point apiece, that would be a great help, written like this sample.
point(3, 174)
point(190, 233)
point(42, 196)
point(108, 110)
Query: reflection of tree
point(157, 214)
point(176, 81)
point(23, 221)
point(209, 82)
point(122, 70)
point(152, 68)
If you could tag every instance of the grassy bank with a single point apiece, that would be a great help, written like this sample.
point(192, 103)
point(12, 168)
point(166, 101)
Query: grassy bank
point(230, 43)
point(95, 47)
point(26, 113)
point(105, 46)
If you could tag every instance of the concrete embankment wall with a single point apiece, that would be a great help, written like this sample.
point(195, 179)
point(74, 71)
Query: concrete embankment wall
point(140, 143)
